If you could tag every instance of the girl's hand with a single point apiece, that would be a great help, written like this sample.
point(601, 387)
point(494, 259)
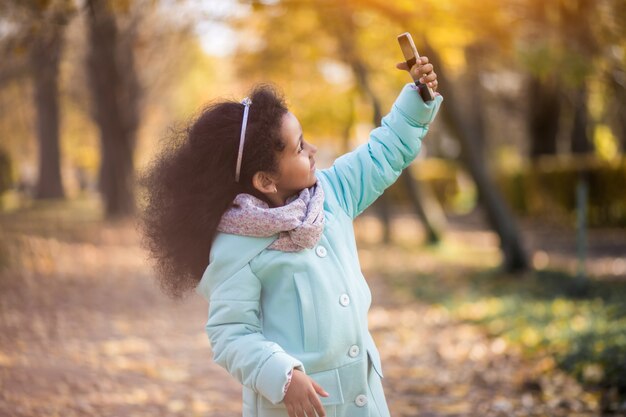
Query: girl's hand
point(423, 71)
point(302, 398)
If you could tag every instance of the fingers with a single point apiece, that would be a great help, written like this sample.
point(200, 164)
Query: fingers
point(303, 397)
point(308, 407)
point(422, 71)
point(428, 78)
point(423, 60)
point(319, 389)
point(296, 410)
point(315, 400)
point(317, 404)
point(426, 75)
point(310, 411)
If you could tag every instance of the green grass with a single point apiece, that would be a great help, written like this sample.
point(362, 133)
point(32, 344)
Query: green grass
point(582, 326)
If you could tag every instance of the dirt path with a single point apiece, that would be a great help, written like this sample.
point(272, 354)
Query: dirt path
point(85, 332)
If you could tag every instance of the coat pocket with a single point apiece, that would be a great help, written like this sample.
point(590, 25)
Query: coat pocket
point(308, 316)
point(329, 380)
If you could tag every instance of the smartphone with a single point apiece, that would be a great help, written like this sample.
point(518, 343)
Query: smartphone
point(410, 56)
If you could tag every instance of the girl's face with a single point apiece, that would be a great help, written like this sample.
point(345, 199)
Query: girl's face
point(296, 168)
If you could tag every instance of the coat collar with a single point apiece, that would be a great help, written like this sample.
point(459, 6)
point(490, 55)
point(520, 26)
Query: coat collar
point(230, 253)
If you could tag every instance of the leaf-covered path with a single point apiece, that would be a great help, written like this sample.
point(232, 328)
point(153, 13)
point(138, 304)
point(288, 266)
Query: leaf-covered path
point(84, 331)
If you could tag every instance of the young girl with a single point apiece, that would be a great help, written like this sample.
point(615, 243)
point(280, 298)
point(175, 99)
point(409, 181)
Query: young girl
point(288, 303)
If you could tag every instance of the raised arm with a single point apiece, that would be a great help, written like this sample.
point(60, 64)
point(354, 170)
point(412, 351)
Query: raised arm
point(358, 178)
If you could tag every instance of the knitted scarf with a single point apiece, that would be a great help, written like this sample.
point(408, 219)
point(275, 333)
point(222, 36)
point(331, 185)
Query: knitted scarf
point(299, 223)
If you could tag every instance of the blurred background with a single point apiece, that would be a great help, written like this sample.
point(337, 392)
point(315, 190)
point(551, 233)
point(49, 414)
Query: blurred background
point(502, 248)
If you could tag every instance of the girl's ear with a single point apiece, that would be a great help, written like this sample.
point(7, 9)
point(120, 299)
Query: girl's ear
point(264, 182)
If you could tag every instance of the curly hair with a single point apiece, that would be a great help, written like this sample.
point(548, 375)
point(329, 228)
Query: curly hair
point(191, 182)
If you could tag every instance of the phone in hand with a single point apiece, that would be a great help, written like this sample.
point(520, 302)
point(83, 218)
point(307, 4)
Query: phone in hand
point(410, 56)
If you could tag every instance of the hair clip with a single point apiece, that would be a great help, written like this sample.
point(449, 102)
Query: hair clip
point(246, 102)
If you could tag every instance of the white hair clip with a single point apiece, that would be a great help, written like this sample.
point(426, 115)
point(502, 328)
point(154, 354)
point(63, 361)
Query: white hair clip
point(246, 102)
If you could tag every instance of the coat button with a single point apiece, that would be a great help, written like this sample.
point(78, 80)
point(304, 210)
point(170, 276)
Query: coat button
point(354, 351)
point(360, 400)
point(321, 251)
point(344, 300)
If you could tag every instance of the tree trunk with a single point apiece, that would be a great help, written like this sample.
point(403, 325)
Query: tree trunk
point(471, 99)
point(543, 116)
point(618, 85)
point(425, 206)
point(498, 214)
point(578, 37)
point(45, 56)
point(110, 98)
point(6, 179)
point(347, 127)
point(579, 137)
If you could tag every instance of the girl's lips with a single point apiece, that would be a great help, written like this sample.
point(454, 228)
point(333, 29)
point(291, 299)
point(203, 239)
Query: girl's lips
point(313, 166)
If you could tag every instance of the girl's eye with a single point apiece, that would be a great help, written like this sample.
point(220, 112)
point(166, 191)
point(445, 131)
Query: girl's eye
point(301, 147)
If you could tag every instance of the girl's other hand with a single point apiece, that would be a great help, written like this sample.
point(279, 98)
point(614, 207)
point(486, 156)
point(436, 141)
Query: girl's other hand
point(422, 71)
point(302, 398)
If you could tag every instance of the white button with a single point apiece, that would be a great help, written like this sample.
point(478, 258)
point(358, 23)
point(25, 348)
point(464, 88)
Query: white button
point(321, 251)
point(344, 300)
point(361, 400)
point(354, 351)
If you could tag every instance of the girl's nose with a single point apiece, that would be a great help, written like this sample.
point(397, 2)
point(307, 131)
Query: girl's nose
point(312, 149)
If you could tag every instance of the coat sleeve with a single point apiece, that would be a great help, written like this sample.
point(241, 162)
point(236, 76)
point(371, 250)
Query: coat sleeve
point(358, 178)
point(234, 329)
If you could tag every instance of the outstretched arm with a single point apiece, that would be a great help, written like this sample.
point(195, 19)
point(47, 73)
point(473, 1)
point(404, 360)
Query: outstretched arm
point(358, 178)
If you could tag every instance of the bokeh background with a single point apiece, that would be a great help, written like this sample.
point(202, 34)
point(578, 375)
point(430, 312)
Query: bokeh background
point(497, 261)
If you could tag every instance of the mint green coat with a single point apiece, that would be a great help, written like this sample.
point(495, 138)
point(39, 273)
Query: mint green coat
point(271, 311)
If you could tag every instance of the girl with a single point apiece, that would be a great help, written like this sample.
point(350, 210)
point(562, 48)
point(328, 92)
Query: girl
point(288, 303)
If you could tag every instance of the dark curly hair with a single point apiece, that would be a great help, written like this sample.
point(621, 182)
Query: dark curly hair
point(191, 182)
